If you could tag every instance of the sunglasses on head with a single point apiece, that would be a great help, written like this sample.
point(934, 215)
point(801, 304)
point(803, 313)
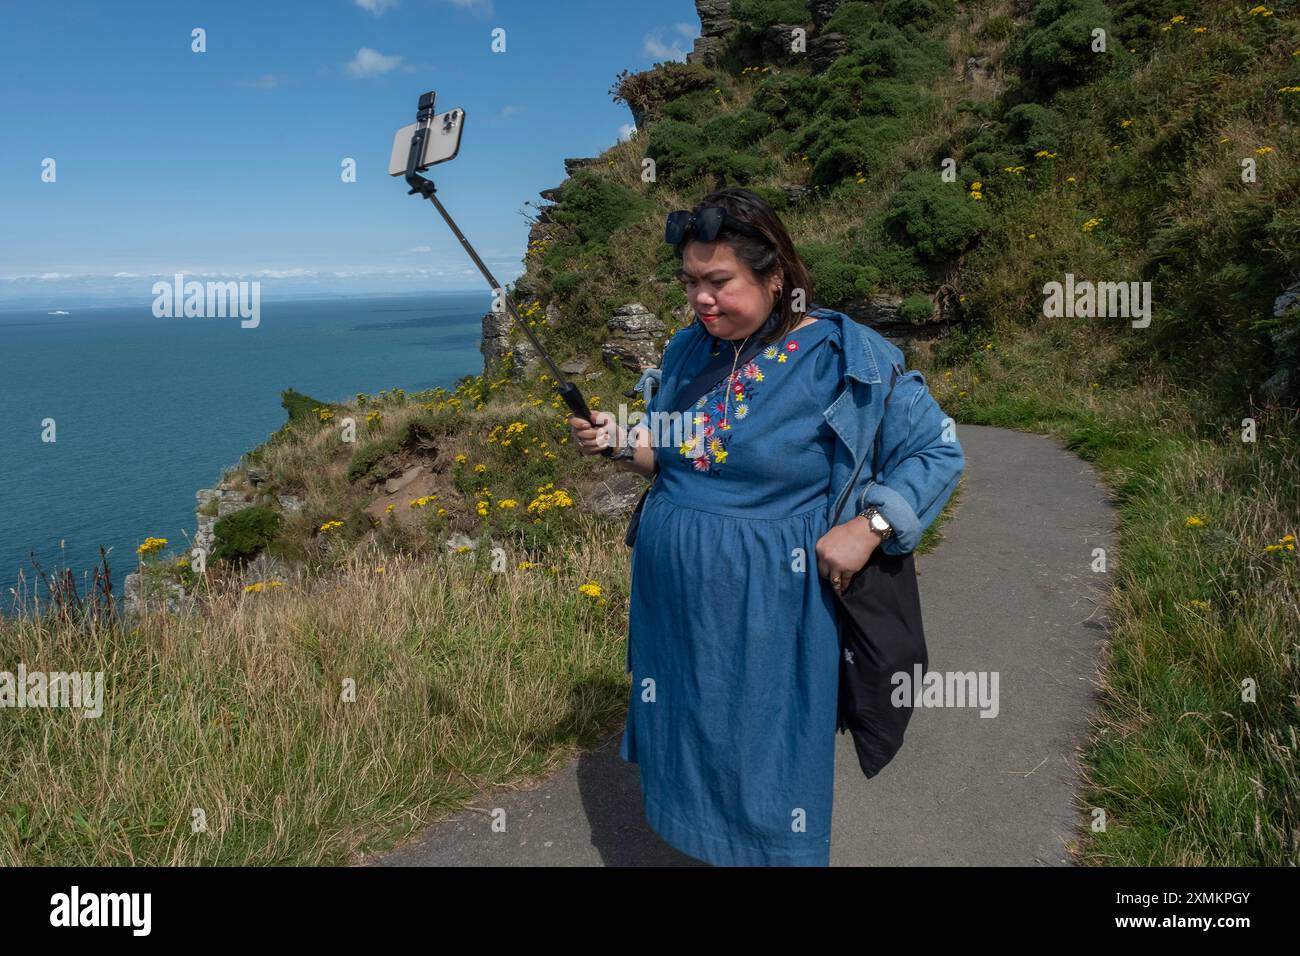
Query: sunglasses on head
point(704, 225)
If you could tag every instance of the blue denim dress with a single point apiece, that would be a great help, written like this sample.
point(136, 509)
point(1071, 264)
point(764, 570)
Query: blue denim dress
point(733, 635)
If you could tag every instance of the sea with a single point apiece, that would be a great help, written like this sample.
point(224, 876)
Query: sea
point(144, 411)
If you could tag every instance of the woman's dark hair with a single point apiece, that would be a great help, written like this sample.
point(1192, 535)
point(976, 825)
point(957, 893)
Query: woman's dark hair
point(765, 254)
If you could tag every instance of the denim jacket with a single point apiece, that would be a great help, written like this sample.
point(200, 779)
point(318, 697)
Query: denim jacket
point(920, 457)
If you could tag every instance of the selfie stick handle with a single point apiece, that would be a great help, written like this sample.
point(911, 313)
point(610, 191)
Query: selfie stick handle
point(568, 390)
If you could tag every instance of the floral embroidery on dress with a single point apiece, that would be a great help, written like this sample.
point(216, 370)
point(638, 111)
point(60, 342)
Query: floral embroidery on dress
point(732, 397)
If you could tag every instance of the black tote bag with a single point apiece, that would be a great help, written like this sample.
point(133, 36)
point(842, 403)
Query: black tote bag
point(880, 636)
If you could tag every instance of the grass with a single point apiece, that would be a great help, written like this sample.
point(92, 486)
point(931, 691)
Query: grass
point(464, 679)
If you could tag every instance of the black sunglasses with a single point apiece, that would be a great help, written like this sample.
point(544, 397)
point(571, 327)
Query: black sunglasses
point(704, 225)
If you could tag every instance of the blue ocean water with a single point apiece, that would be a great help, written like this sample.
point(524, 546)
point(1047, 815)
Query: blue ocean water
point(148, 410)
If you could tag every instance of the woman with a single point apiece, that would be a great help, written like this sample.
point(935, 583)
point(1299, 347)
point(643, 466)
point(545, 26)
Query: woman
point(733, 643)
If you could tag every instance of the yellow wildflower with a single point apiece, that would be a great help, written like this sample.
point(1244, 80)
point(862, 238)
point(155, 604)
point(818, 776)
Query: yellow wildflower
point(151, 545)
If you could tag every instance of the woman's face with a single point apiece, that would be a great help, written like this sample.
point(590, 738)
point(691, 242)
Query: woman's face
point(730, 299)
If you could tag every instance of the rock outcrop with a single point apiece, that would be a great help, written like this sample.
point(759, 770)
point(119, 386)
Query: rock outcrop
point(634, 336)
point(714, 26)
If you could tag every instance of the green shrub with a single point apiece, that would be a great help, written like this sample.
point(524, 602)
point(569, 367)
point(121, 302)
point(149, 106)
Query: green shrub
point(676, 147)
point(647, 92)
point(1036, 126)
point(853, 20)
point(896, 98)
point(1143, 20)
point(740, 130)
point(758, 15)
point(936, 217)
point(836, 278)
point(868, 60)
point(916, 309)
point(563, 283)
point(917, 14)
point(241, 535)
point(841, 148)
point(694, 107)
point(682, 153)
point(738, 168)
point(789, 98)
point(595, 206)
point(896, 264)
point(1057, 50)
point(299, 406)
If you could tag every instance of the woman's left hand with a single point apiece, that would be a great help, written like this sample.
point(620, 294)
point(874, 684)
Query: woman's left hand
point(845, 550)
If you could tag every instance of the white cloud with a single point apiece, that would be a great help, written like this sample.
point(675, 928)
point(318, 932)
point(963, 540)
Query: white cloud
point(625, 132)
point(420, 249)
point(125, 275)
point(689, 30)
point(377, 7)
point(510, 111)
point(484, 5)
point(267, 81)
point(656, 48)
point(284, 273)
point(370, 62)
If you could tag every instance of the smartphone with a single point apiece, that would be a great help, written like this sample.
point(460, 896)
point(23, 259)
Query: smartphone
point(440, 145)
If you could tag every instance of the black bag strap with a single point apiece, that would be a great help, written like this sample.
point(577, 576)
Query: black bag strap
point(875, 454)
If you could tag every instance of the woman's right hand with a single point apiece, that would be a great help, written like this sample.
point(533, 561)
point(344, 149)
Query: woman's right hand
point(590, 439)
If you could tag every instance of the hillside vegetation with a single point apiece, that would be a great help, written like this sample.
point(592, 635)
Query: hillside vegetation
point(1117, 166)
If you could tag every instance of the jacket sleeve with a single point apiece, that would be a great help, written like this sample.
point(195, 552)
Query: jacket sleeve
point(920, 464)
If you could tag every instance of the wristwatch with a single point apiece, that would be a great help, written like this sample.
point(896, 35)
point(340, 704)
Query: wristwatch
point(877, 521)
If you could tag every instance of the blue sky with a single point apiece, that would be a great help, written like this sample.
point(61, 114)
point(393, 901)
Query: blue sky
point(228, 162)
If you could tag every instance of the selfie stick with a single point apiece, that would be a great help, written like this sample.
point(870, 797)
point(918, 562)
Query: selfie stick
point(424, 118)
